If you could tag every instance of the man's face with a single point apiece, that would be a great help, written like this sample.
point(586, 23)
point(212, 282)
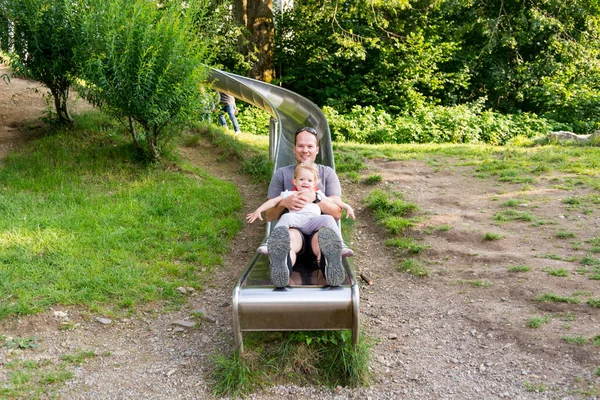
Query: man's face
point(306, 148)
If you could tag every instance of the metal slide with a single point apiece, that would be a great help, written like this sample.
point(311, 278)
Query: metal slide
point(309, 304)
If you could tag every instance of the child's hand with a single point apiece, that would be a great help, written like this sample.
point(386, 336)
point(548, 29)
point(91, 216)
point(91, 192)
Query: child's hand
point(253, 217)
point(349, 212)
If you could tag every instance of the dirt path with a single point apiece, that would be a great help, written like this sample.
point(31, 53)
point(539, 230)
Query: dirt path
point(460, 333)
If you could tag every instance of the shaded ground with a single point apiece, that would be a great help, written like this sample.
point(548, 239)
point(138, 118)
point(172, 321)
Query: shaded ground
point(459, 333)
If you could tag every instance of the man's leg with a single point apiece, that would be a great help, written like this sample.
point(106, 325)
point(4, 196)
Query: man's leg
point(222, 118)
point(283, 245)
point(234, 121)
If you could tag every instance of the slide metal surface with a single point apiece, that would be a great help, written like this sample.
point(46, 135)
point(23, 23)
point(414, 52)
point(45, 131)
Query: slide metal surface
point(308, 303)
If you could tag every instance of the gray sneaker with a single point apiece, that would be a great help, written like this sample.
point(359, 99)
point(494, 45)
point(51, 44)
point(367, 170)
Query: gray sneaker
point(279, 256)
point(331, 255)
point(263, 248)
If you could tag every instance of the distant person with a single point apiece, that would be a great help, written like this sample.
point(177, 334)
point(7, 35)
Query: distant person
point(228, 106)
point(308, 220)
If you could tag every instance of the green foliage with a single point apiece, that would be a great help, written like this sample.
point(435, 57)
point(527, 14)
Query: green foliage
point(492, 236)
point(554, 298)
point(594, 303)
point(253, 120)
point(414, 267)
point(519, 268)
point(46, 38)
point(536, 322)
point(578, 340)
point(319, 358)
point(372, 179)
point(22, 343)
point(467, 123)
point(82, 224)
point(144, 66)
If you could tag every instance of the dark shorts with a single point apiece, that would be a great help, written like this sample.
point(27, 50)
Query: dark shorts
point(306, 249)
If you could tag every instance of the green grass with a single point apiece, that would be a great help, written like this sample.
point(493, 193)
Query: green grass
point(406, 244)
point(594, 303)
point(477, 283)
point(535, 387)
point(305, 358)
point(492, 236)
point(33, 379)
point(519, 268)
point(577, 340)
point(561, 272)
point(536, 322)
point(564, 235)
point(554, 298)
point(83, 223)
point(373, 179)
point(514, 215)
point(414, 267)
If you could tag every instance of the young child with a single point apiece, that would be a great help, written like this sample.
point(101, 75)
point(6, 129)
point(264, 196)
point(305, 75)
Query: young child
point(309, 219)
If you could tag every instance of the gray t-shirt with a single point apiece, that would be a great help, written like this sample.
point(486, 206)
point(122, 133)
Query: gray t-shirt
point(282, 180)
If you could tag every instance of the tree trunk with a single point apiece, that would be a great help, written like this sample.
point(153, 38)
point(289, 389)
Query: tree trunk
point(61, 96)
point(257, 17)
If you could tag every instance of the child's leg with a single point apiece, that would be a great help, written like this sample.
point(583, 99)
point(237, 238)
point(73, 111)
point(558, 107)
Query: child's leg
point(321, 221)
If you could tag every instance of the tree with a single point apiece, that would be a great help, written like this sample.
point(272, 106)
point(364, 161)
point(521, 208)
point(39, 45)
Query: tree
point(45, 37)
point(257, 17)
point(144, 66)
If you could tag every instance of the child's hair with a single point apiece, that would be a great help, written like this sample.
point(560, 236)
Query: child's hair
point(311, 167)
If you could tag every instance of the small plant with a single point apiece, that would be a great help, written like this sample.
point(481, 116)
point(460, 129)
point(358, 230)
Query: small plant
point(492, 236)
point(512, 203)
point(578, 340)
point(513, 215)
point(536, 322)
point(564, 235)
point(372, 179)
point(597, 371)
point(594, 303)
point(22, 343)
point(444, 228)
point(519, 268)
point(554, 298)
point(596, 341)
point(78, 358)
point(414, 267)
point(589, 260)
point(406, 244)
point(232, 376)
point(557, 272)
point(474, 283)
point(534, 387)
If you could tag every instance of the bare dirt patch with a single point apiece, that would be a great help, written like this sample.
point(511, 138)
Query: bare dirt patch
point(459, 333)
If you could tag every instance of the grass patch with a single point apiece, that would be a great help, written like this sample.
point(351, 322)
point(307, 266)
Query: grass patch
point(83, 223)
point(519, 268)
point(372, 179)
point(594, 303)
point(512, 203)
point(513, 215)
point(414, 267)
point(536, 322)
point(492, 236)
point(554, 298)
point(560, 272)
point(305, 358)
point(477, 283)
point(444, 228)
point(564, 235)
point(577, 340)
point(534, 387)
point(596, 341)
point(406, 245)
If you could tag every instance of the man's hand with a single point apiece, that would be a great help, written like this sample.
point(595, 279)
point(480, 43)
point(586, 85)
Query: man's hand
point(296, 202)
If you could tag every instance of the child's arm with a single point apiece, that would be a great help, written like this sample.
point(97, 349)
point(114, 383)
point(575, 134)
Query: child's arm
point(341, 204)
point(265, 206)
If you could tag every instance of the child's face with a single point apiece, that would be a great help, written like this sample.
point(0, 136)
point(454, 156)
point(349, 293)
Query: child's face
point(305, 181)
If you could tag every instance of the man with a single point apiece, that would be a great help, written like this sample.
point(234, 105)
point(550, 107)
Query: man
point(284, 244)
point(228, 106)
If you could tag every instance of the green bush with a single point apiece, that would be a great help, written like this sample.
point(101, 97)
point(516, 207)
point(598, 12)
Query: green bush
point(466, 123)
point(144, 66)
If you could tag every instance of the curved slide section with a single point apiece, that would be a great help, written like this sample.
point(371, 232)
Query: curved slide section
point(307, 304)
point(290, 110)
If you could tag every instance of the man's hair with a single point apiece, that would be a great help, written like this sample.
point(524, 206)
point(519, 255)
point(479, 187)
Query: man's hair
point(309, 130)
point(311, 167)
